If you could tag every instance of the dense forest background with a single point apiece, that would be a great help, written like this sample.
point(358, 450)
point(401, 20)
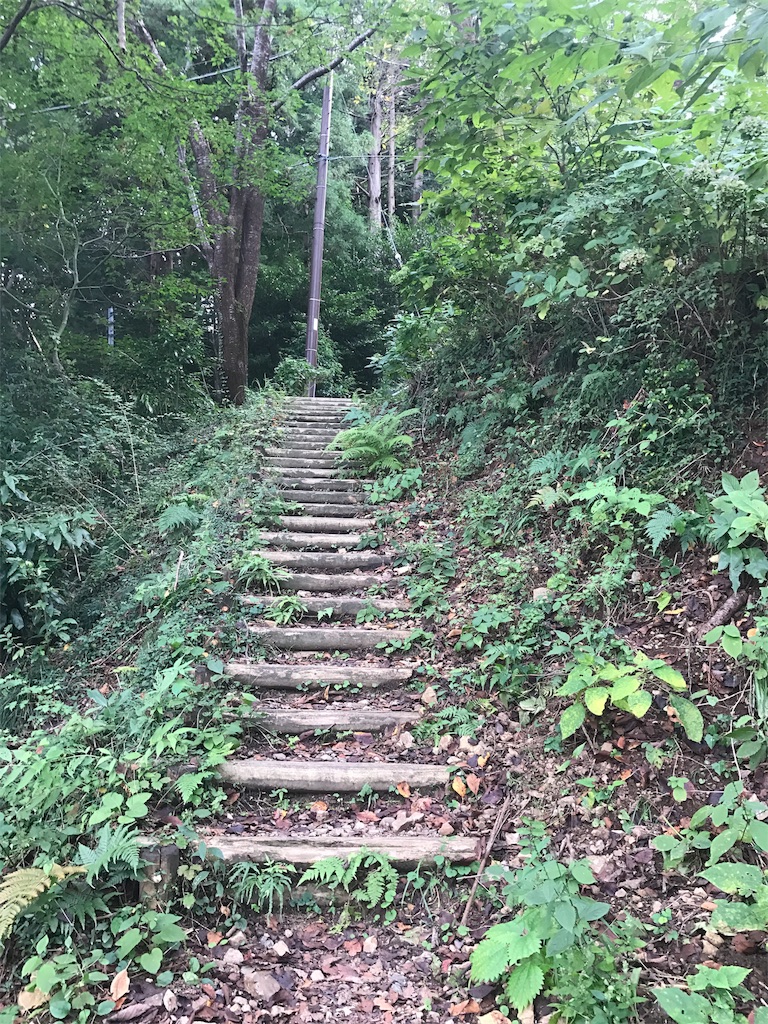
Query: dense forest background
point(547, 238)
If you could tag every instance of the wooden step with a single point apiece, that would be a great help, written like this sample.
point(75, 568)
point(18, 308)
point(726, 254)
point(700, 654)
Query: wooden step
point(326, 524)
point(280, 474)
point(340, 607)
point(306, 850)
point(327, 561)
point(317, 776)
point(323, 583)
point(305, 461)
point(333, 511)
point(323, 497)
point(319, 638)
point(289, 722)
point(308, 541)
point(295, 451)
point(318, 675)
point(304, 483)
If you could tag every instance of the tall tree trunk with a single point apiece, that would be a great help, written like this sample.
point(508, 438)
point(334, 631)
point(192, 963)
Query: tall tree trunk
point(374, 157)
point(391, 149)
point(418, 173)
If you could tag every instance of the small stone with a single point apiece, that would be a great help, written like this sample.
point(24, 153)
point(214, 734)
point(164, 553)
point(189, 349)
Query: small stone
point(371, 944)
point(405, 740)
point(444, 744)
point(446, 829)
point(541, 594)
point(237, 939)
point(317, 976)
point(233, 957)
point(281, 949)
point(170, 1001)
point(259, 984)
point(429, 696)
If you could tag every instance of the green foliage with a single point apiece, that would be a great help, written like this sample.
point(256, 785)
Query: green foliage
point(598, 683)
point(737, 820)
point(712, 997)
point(368, 877)
point(740, 528)
point(263, 887)
point(551, 918)
point(377, 447)
point(19, 889)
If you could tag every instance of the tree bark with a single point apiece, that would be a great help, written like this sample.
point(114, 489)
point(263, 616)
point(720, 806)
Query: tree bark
point(229, 215)
point(418, 173)
point(374, 157)
point(391, 149)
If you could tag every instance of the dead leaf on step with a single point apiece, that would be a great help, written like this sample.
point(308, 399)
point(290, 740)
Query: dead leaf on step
point(214, 938)
point(463, 1008)
point(120, 985)
point(459, 786)
point(31, 1000)
point(319, 805)
point(473, 783)
point(404, 789)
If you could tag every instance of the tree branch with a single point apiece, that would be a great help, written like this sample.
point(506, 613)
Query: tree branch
point(14, 23)
point(325, 69)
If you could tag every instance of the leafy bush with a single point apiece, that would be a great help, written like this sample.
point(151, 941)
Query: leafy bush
point(377, 447)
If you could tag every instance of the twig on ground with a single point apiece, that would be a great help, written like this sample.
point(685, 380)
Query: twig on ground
point(497, 826)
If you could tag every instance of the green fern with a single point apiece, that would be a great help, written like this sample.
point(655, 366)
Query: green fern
point(113, 846)
point(329, 871)
point(376, 447)
point(374, 878)
point(262, 886)
point(179, 516)
point(21, 888)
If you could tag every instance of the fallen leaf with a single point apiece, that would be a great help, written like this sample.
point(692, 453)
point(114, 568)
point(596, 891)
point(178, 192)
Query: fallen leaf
point(214, 938)
point(404, 789)
point(31, 1000)
point(120, 985)
point(319, 805)
point(465, 1007)
point(459, 786)
point(353, 946)
point(474, 784)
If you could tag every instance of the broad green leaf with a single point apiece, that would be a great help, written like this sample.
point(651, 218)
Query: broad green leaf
point(671, 677)
point(721, 844)
point(690, 717)
point(637, 703)
point(150, 962)
point(744, 879)
point(525, 983)
point(489, 960)
point(572, 719)
point(595, 698)
point(682, 1007)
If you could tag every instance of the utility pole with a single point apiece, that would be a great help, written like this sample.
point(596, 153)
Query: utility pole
point(318, 233)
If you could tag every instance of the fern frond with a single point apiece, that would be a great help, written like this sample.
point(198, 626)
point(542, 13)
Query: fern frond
point(22, 887)
point(114, 846)
point(177, 516)
point(328, 871)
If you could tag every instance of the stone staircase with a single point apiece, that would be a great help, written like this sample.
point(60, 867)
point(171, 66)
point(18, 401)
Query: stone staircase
point(331, 677)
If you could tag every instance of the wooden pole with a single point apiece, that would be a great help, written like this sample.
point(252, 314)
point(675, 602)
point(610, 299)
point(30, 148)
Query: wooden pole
point(318, 234)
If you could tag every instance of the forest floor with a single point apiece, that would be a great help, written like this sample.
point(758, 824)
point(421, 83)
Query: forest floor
point(604, 795)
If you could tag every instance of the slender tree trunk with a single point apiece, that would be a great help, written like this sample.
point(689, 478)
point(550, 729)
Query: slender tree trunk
point(418, 173)
point(374, 157)
point(391, 150)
